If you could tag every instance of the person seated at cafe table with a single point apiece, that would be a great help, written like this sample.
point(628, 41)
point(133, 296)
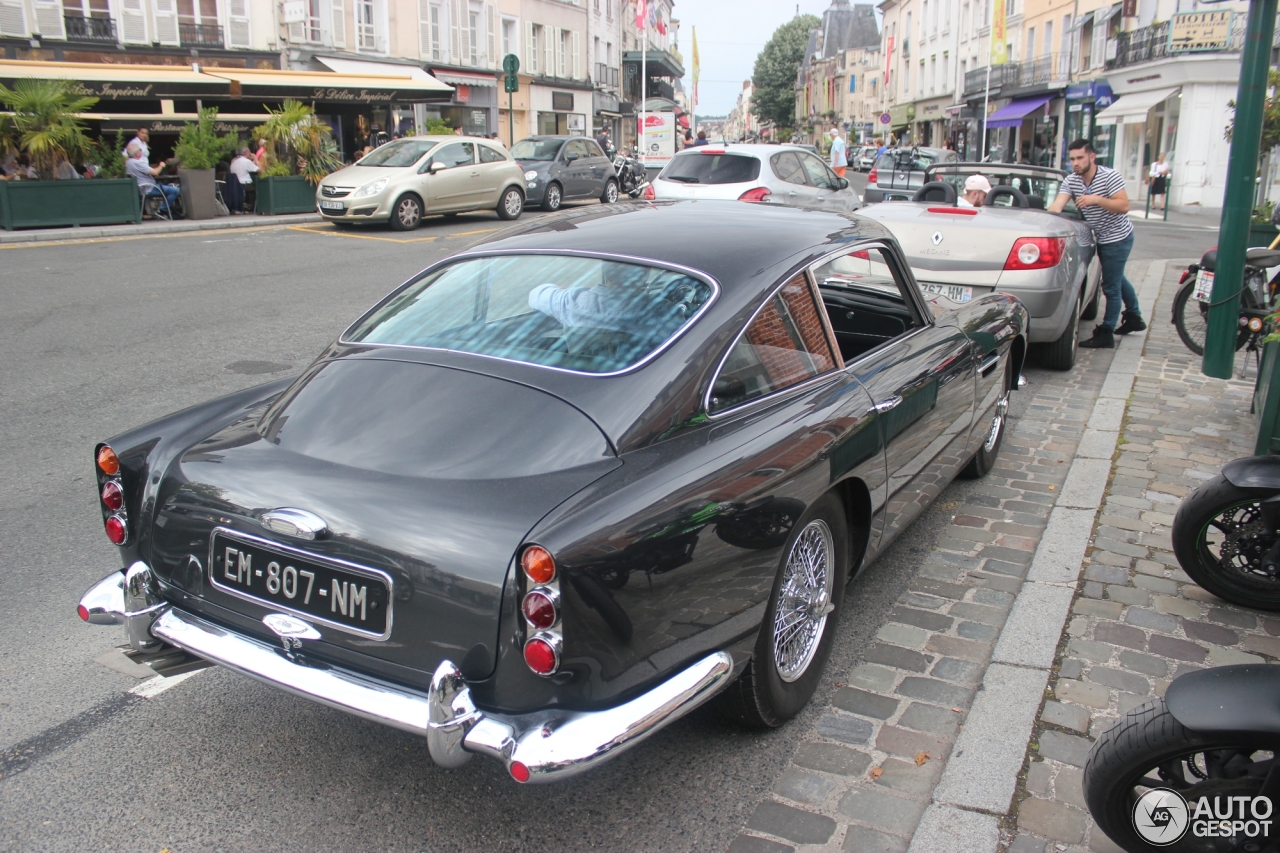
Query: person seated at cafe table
point(137, 168)
point(243, 167)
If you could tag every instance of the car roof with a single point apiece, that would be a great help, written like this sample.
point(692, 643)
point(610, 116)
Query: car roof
point(747, 249)
point(744, 149)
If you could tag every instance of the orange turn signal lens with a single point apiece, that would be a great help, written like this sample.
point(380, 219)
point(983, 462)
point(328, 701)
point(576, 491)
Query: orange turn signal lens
point(538, 564)
point(107, 461)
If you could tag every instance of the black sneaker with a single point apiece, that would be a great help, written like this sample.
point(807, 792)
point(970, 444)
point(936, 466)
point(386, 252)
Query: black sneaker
point(1102, 339)
point(1130, 322)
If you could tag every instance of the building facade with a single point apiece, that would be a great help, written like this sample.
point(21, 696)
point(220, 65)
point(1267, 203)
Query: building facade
point(822, 83)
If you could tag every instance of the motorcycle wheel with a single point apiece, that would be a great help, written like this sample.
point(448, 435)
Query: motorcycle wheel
point(1219, 539)
point(1191, 318)
point(1147, 748)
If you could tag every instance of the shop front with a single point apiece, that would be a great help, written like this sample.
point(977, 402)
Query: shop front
point(1024, 131)
point(1146, 126)
point(559, 110)
point(473, 109)
point(1084, 101)
point(901, 117)
point(931, 122)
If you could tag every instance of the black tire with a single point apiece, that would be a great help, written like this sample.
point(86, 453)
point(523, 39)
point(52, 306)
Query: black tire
point(762, 697)
point(552, 197)
point(1220, 540)
point(1061, 354)
point(511, 205)
point(406, 213)
point(610, 194)
point(1090, 311)
point(985, 458)
point(1147, 748)
point(1191, 318)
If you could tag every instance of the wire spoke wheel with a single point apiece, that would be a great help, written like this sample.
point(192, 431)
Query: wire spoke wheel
point(804, 600)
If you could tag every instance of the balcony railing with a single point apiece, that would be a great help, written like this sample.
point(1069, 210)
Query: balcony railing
point(200, 35)
point(1050, 68)
point(1152, 43)
point(606, 76)
point(94, 30)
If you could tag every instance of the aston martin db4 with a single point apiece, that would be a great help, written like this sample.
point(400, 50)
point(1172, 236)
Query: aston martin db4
point(557, 490)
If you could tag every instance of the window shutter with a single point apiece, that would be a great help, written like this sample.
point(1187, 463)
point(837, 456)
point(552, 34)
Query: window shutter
point(297, 32)
point(424, 29)
point(133, 22)
point(577, 55)
point(238, 24)
point(531, 49)
point(49, 18)
point(559, 46)
point(549, 51)
point(1098, 46)
point(491, 24)
point(455, 32)
point(12, 20)
point(166, 15)
point(338, 23)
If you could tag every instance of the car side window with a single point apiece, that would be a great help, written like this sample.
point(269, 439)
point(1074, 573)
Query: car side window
point(785, 344)
point(455, 154)
point(867, 297)
point(491, 155)
point(575, 148)
point(787, 167)
point(593, 149)
point(819, 175)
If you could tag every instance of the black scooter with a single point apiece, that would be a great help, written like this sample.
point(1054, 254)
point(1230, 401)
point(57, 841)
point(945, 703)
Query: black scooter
point(632, 179)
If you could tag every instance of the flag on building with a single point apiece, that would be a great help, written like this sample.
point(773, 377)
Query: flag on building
point(641, 10)
point(999, 38)
point(697, 65)
point(660, 23)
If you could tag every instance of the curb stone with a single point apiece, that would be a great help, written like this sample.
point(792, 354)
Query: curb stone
point(152, 228)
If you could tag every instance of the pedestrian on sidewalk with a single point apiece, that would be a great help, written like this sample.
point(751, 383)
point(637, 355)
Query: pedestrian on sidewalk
point(1158, 179)
point(1100, 195)
point(839, 153)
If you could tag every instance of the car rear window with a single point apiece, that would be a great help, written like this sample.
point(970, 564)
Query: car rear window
point(904, 161)
point(698, 168)
point(584, 314)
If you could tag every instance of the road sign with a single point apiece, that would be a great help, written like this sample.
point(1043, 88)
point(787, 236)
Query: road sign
point(511, 63)
point(510, 83)
point(884, 118)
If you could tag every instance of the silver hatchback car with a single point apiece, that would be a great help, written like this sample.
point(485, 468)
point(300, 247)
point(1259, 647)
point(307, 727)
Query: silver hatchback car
point(404, 180)
point(776, 174)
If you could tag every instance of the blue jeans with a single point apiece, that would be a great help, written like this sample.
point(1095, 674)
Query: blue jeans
point(1117, 288)
point(171, 192)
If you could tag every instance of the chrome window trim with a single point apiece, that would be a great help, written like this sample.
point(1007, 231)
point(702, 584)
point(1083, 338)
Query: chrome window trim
point(705, 278)
point(808, 271)
point(344, 565)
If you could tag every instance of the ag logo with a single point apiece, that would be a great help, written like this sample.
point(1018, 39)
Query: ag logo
point(1161, 817)
point(937, 237)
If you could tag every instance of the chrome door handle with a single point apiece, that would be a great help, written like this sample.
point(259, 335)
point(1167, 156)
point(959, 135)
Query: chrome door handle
point(887, 405)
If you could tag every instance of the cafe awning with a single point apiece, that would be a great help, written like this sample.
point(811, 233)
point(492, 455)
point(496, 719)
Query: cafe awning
point(252, 83)
point(1012, 113)
point(462, 78)
point(1133, 109)
point(378, 69)
point(119, 82)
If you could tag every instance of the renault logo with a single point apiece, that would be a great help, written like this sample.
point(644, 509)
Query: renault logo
point(937, 237)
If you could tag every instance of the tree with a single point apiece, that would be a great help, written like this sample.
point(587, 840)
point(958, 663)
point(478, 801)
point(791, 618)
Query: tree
point(774, 77)
point(298, 142)
point(1270, 115)
point(44, 122)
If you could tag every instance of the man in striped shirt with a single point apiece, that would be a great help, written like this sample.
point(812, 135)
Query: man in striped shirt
point(1100, 195)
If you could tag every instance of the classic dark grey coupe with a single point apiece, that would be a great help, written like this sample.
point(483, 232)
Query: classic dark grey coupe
point(556, 491)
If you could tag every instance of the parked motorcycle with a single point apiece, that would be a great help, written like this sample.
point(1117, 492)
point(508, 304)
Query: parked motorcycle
point(632, 179)
point(1196, 770)
point(1226, 534)
point(1257, 299)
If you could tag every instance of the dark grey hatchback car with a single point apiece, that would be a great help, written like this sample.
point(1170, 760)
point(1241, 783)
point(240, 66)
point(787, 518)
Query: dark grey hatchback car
point(565, 168)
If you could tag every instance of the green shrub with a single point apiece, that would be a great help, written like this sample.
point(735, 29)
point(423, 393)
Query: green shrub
point(199, 145)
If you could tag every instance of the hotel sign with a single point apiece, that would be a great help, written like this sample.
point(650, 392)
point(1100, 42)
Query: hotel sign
point(1193, 31)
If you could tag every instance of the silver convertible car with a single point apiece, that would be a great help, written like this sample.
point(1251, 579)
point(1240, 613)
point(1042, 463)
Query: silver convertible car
point(1011, 244)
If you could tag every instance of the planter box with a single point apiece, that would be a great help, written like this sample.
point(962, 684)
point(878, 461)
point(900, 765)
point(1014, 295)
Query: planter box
point(284, 195)
point(1261, 235)
point(1266, 402)
point(199, 193)
point(51, 204)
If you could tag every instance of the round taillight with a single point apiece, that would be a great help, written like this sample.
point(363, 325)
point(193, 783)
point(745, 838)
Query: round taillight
point(538, 564)
point(1255, 324)
point(116, 530)
point(107, 461)
point(541, 656)
point(539, 610)
point(112, 495)
point(83, 612)
point(519, 772)
point(1028, 253)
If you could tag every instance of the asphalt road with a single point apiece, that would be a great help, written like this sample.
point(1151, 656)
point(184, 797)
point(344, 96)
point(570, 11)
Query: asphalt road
point(98, 337)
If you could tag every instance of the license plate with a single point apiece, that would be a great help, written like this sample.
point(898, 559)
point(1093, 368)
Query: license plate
point(332, 205)
point(1204, 286)
point(954, 292)
point(350, 598)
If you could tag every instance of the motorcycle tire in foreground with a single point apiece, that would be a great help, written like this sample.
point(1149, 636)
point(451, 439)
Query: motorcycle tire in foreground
point(1225, 533)
point(1212, 741)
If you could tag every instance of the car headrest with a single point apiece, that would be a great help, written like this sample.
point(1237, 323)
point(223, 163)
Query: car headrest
point(1018, 196)
point(1036, 202)
point(940, 191)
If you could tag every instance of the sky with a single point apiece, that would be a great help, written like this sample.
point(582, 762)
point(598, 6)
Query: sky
point(731, 33)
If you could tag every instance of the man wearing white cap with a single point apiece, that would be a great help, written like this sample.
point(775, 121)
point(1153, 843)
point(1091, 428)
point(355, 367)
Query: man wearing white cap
point(976, 188)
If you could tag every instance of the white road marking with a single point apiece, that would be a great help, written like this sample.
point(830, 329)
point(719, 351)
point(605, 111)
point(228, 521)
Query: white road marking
point(153, 687)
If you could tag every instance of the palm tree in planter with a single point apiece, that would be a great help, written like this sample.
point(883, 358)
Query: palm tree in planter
point(199, 149)
point(44, 123)
point(300, 151)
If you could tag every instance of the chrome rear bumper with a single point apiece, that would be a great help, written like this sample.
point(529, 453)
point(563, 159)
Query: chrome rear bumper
point(539, 747)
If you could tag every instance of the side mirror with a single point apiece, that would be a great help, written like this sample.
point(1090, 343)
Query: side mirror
point(842, 183)
point(436, 166)
point(569, 158)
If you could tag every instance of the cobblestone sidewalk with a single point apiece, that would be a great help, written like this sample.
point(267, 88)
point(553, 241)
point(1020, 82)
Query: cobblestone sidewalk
point(865, 777)
point(1137, 621)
